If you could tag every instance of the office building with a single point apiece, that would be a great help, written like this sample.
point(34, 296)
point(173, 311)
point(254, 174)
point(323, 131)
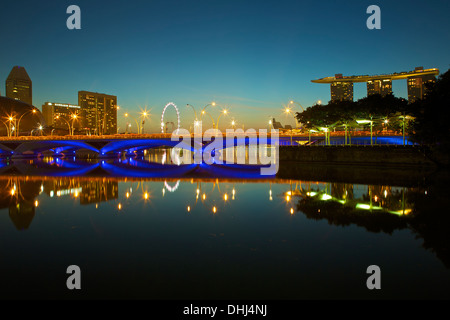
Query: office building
point(341, 90)
point(99, 112)
point(417, 85)
point(19, 86)
point(60, 115)
point(379, 86)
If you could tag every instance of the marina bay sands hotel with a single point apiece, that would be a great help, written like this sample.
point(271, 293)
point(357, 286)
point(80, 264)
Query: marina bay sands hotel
point(342, 87)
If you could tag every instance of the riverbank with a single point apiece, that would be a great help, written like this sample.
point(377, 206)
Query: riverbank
point(390, 165)
point(378, 155)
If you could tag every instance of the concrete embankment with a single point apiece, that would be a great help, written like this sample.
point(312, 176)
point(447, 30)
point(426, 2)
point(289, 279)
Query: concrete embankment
point(365, 155)
point(392, 165)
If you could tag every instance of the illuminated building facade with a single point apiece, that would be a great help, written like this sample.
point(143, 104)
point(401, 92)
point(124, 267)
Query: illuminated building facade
point(99, 112)
point(19, 86)
point(341, 90)
point(342, 86)
point(57, 115)
point(379, 86)
point(417, 85)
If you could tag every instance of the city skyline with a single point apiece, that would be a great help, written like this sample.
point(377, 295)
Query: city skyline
point(249, 57)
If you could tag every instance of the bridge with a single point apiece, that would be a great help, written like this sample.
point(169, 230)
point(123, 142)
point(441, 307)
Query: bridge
point(114, 145)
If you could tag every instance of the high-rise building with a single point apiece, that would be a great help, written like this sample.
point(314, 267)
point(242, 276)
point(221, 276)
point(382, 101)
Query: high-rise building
point(379, 86)
point(19, 86)
point(342, 86)
point(341, 90)
point(417, 85)
point(61, 115)
point(99, 112)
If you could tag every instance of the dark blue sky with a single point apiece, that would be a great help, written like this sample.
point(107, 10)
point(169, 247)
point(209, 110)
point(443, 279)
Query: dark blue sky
point(251, 56)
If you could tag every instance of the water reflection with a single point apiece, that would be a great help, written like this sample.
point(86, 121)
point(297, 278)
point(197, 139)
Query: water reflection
point(167, 222)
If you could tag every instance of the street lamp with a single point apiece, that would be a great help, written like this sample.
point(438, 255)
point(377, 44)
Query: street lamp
point(7, 129)
point(225, 112)
point(137, 124)
point(11, 126)
point(311, 130)
point(233, 124)
point(68, 123)
point(144, 115)
point(210, 104)
point(403, 117)
point(287, 110)
point(74, 117)
point(371, 125)
point(204, 112)
point(196, 123)
point(327, 139)
point(18, 122)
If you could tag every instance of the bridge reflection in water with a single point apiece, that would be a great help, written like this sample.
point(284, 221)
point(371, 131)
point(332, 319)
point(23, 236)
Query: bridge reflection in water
point(155, 214)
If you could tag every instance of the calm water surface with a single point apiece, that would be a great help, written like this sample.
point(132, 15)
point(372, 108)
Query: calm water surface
point(141, 230)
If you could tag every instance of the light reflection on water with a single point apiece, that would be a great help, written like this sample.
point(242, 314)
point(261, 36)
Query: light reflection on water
point(190, 236)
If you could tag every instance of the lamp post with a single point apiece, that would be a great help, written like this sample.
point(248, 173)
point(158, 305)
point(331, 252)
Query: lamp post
point(18, 122)
point(144, 115)
point(7, 129)
point(371, 125)
point(68, 123)
point(74, 117)
point(225, 112)
point(287, 110)
point(11, 127)
point(404, 119)
point(311, 130)
point(205, 112)
point(137, 124)
point(195, 114)
point(209, 104)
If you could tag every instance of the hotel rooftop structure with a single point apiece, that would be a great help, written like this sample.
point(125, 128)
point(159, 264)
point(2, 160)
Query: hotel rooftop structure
point(342, 86)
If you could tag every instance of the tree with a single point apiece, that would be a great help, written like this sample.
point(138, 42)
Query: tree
point(432, 119)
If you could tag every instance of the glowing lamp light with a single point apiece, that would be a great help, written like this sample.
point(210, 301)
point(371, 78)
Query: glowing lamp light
point(214, 209)
point(146, 195)
point(225, 197)
point(119, 206)
point(188, 208)
point(36, 203)
point(127, 195)
point(292, 210)
point(325, 197)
